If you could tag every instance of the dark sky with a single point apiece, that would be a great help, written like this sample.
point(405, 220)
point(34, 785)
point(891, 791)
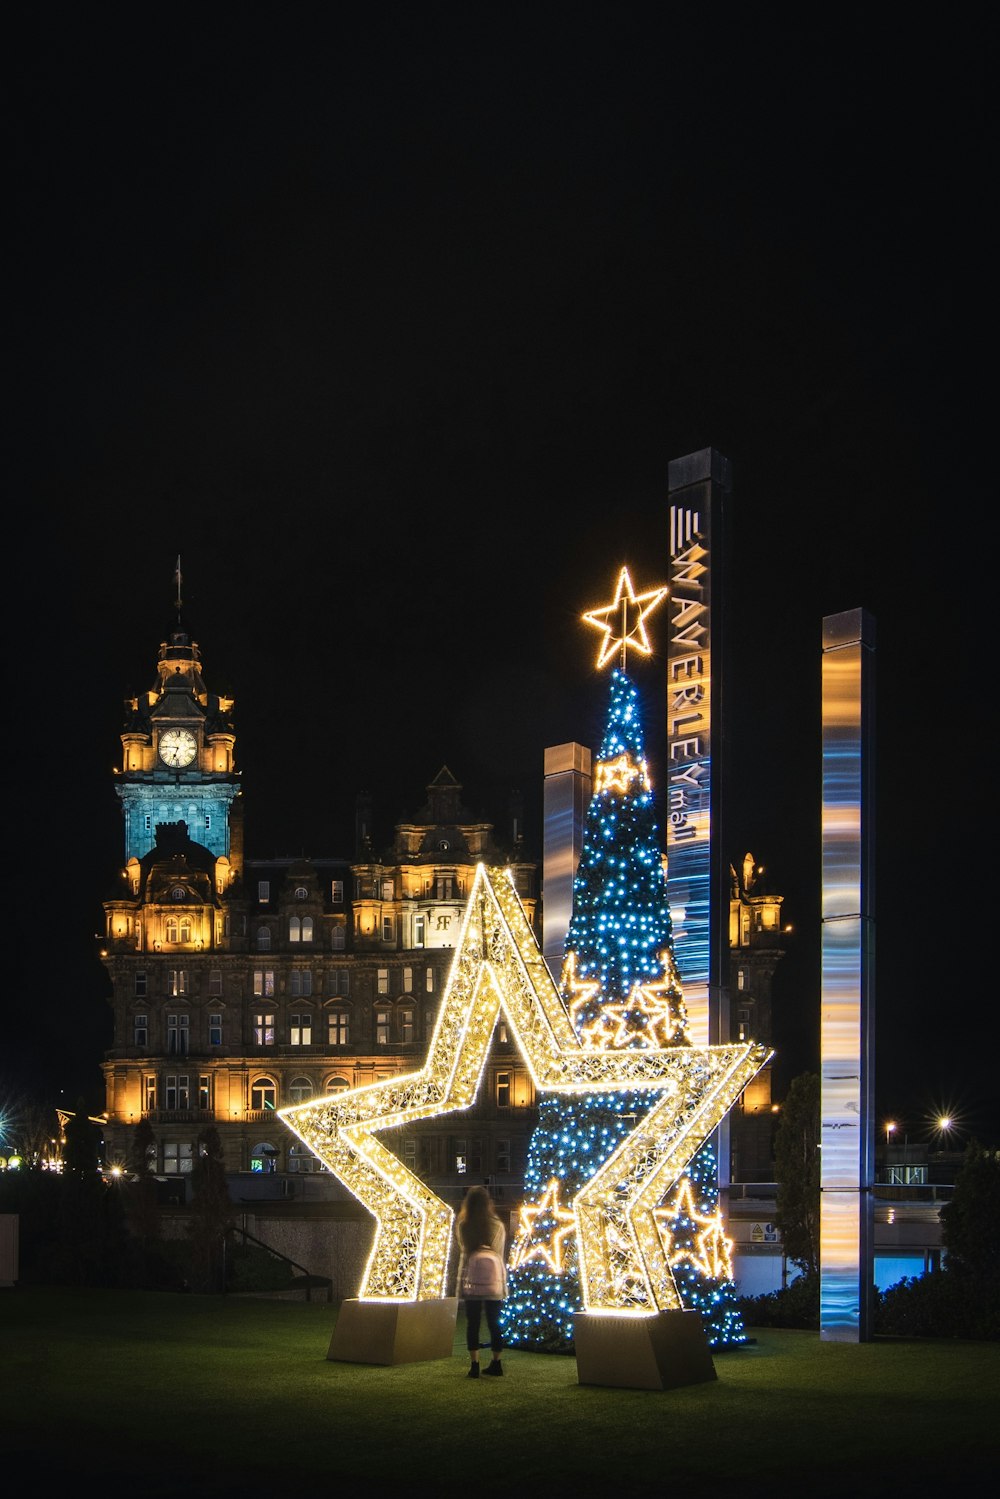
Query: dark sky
point(389, 321)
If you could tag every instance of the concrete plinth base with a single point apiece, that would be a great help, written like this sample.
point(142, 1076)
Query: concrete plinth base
point(660, 1352)
point(394, 1332)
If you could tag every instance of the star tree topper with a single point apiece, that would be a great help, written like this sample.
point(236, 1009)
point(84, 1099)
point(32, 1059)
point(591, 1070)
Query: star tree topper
point(498, 966)
point(627, 615)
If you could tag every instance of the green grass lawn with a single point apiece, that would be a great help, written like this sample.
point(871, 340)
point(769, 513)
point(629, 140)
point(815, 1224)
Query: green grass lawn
point(176, 1394)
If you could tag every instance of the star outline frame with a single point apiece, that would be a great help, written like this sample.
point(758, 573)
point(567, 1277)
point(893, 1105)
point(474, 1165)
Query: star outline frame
point(498, 967)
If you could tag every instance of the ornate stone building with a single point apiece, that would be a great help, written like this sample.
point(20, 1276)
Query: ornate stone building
point(240, 985)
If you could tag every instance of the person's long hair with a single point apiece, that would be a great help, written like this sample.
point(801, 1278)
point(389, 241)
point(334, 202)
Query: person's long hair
point(476, 1217)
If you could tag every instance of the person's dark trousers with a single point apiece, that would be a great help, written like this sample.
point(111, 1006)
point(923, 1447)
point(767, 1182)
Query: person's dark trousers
point(473, 1317)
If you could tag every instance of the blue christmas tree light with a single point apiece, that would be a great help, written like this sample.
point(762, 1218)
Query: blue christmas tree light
point(621, 987)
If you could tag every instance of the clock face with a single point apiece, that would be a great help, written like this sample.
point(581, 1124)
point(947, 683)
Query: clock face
point(177, 747)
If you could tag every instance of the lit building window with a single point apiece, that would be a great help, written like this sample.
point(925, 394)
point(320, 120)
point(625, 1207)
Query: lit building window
point(429, 980)
point(263, 1029)
point(383, 981)
point(419, 931)
point(460, 1156)
point(300, 1029)
point(177, 981)
point(294, 929)
point(178, 1157)
point(336, 1085)
point(388, 927)
point(149, 1093)
point(503, 1090)
point(407, 980)
point(307, 928)
point(407, 1027)
point(178, 1033)
point(263, 981)
point(205, 1091)
point(337, 892)
point(382, 1027)
point(338, 1028)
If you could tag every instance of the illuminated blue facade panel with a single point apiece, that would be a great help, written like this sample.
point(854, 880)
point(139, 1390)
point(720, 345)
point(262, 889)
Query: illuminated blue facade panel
point(846, 982)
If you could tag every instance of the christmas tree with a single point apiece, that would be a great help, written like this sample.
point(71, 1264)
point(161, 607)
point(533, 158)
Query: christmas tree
point(620, 984)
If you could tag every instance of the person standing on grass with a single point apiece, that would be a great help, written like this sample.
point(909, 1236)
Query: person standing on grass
point(477, 1227)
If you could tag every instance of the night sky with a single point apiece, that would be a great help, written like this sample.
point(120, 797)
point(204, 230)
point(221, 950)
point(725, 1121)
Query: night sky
point(389, 321)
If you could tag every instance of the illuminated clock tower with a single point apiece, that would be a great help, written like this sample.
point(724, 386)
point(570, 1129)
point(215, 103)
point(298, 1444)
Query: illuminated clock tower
point(177, 763)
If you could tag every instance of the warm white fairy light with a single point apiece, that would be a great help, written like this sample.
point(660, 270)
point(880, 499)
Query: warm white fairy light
point(714, 1258)
point(623, 621)
point(543, 1232)
point(499, 965)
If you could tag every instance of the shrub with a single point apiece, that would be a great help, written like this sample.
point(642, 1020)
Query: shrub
point(797, 1305)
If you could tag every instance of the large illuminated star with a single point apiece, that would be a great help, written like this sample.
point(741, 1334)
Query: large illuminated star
point(498, 965)
point(626, 615)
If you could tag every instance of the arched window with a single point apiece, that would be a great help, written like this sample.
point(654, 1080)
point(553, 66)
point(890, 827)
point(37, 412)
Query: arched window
point(294, 929)
point(185, 929)
point(170, 929)
point(300, 1090)
point(307, 928)
point(336, 1085)
point(301, 893)
point(263, 1093)
point(264, 1157)
point(338, 937)
point(263, 939)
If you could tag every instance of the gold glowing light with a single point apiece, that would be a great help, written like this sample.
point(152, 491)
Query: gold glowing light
point(626, 615)
point(498, 967)
point(713, 1256)
point(544, 1231)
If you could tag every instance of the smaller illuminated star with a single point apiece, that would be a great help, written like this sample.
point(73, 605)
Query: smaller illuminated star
point(578, 992)
point(558, 1225)
point(627, 615)
point(713, 1257)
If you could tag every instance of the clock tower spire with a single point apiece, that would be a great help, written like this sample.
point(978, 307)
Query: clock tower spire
point(178, 763)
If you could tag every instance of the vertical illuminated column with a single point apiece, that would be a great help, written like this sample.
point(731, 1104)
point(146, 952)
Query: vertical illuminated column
point(697, 868)
point(847, 994)
point(699, 488)
point(566, 797)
